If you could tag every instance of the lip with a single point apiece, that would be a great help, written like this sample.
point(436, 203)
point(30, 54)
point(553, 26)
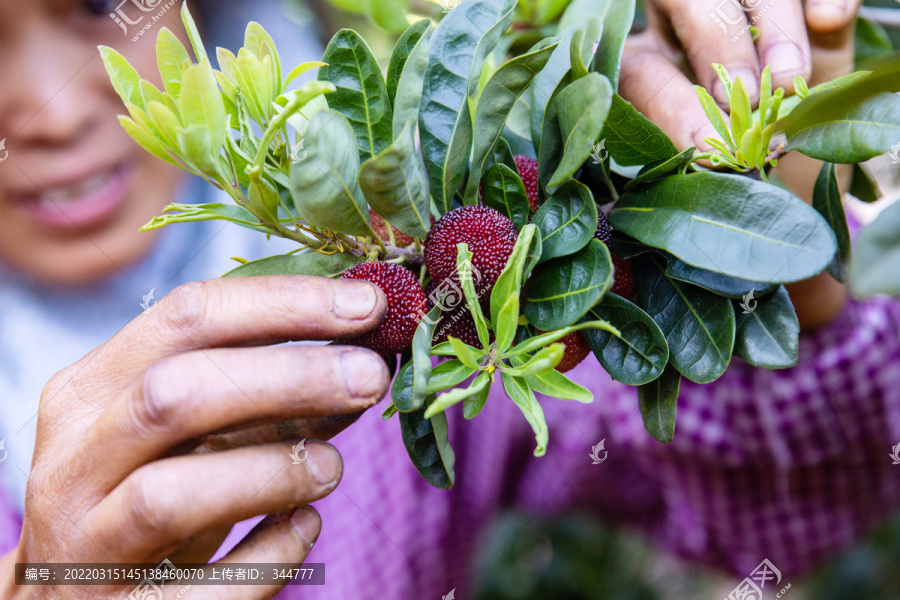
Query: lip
point(61, 207)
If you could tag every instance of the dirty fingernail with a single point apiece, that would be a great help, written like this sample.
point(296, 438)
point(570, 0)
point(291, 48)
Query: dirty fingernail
point(307, 523)
point(355, 301)
point(364, 373)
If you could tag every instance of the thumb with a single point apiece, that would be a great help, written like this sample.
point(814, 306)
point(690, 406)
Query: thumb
point(829, 16)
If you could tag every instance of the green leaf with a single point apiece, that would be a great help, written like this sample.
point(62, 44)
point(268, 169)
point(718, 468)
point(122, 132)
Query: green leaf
point(617, 22)
point(201, 104)
point(547, 82)
point(704, 219)
point(519, 392)
point(361, 94)
point(193, 34)
point(409, 88)
point(402, 51)
point(258, 41)
point(428, 447)
point(504, 191)
point(506, 293)
point(500, 94)
point(194, 143)
point(566, 288)
point(871, 40)
point(402, 389)
point(301, 69)
point(699, 326)
point(471, 357)
point(263, 197)
point(324, 186)
point(460, 44)
point(827, 200)
point(632, 139)
point(389, 14)
point(306, 263)
point(124, 77)
point(421, 356)
point(546, 359)
point(639, 354)
point(448, 374)
point(147, 140)
point(741, 112)
point(661, 168)
point(537, 342)
point(474, 403)
point(171, 57)
point(719, 284)
point(187, 213)
point(556, 385)
point(768, 334)
point(567, 220)
point(396, 186)
point(581, 112)
point(876, 261)
point(658, 402)
point(864, 187)
point(464, 272)
point(844, 129)
point(550, 148)
point(457, 395)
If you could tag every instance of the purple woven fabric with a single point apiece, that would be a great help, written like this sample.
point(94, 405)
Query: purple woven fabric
point(791, 466)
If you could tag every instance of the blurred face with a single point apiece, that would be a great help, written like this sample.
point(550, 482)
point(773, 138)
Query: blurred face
point(74, 188)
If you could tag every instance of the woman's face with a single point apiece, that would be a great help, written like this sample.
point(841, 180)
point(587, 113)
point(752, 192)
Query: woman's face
point(74, 188)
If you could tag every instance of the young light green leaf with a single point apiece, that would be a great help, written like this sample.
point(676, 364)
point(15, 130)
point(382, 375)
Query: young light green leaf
point(556, 385)
point(506, 292)
point(540, 341)
point(124, 77)
point(741, 111)
point(171, 57)
point(258, 41)
point(714, 114)
point(324, 187)
point(421, 356)
point(546, 359)
point(145, 139)
point(464, 272)
point(201, 104)
point(519, 392)
point(471, 357)
point(567, 220)
point(828, 201)
point(396, 186)
point(448, 374)
point(263, 197)
point(301, 69)
point(186, 213)
point(800, 87)
point(658, 403)
point(504, 191)
point(305, 263)
point(579, 69)
point(193, 34)
point(457, 395)
point(474, 403)
point(768, 332)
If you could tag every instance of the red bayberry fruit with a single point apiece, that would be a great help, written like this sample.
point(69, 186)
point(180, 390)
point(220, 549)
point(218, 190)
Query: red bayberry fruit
point(528, 170)
point(624, 284)
point(577, 350)
point(490, 235)
point(381, 228)
point(456, 320)
point(405, 303)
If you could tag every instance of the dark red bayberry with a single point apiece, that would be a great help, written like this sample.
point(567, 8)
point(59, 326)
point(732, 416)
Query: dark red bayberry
point(577, 350)
point(528, 170)
point(405, 305)
point(381, 228)
point(456, 320)
point(490, 235)
point(624, 284)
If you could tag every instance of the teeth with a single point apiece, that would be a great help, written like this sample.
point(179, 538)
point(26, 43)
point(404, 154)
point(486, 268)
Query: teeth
point(80, 189)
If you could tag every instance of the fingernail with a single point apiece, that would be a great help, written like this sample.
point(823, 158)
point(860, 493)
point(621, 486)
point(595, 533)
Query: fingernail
point(825, 4)
point(355, 301)
point(324, 463)
point(749, 79)
point(307, 523)
point(707, 131)
point(364, 373)
point(785, 58)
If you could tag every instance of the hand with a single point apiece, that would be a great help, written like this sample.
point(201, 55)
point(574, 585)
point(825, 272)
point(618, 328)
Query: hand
point(815, 43)
point(114, 478)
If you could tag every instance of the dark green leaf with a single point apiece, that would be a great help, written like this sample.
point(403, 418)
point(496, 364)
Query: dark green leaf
point(632, 139)
point(497, 100)
point(617, 20)
point(307, 263)
point(719, 284)
point(876, 262)
point(504, 191)
point(639, 354)
point(402, 388)
point(428, 447)
point(864, 187)
point(547, 82)
point(567, 220)
point(566, 288)
point(459, 46)
point(396, 186)
point(768, 332)
point(827, 200)
point(658, 402)
point(474, 403)
point(729, 224)
point(550, 148)
point(361, 94)
point(324, 187)
point(661, 168)
point(699, 326)
point(871, 40)
point(519, 392)
point(409, 88)
point(399, 56)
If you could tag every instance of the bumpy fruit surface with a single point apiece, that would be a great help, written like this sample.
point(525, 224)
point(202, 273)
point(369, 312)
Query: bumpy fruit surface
point(405, 303)
point(577, 350)
point(528, 170)
point(490, 235)
point(624, 284)
point(381, 228)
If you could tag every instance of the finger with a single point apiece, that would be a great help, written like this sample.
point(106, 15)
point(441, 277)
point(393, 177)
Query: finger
point(165, 504)
point(713, 31)
point(783, 42)
point(234, 312)
point(284, 538)
point(829, 16)
point(833, 53)
point(198, 393)
point(660, 91)
point(316, 428)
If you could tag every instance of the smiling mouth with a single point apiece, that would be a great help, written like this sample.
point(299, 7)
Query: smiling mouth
point(86, 203)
